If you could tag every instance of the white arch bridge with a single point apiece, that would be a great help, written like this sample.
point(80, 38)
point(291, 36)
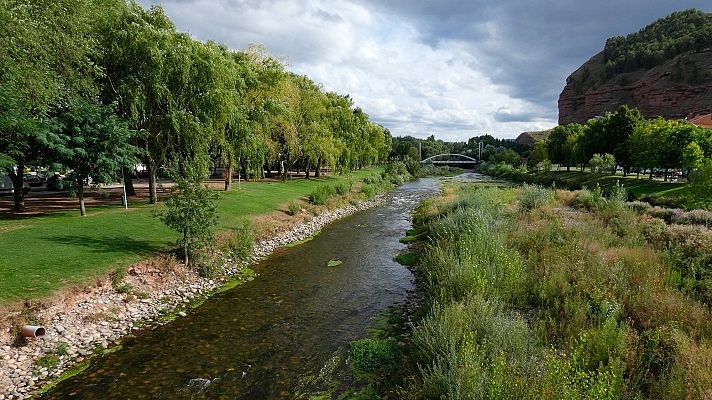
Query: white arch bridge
point(463, 159)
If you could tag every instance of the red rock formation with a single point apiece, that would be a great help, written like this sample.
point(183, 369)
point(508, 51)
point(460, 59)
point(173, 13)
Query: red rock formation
point(665, 90)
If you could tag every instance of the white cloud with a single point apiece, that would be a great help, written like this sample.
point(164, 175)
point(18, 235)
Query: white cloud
point(380, 59)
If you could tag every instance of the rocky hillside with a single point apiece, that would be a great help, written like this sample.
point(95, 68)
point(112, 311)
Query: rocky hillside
point(664, 70)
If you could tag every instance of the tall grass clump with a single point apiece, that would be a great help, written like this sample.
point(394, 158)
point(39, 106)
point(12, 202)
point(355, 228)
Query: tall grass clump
point(293, 207)
point(242, 240)
point(591, 199)
point(342, 188)
point(321, 194)
point(534, 196)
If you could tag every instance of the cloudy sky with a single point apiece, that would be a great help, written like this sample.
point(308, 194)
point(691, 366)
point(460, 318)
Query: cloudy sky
point(455, 69)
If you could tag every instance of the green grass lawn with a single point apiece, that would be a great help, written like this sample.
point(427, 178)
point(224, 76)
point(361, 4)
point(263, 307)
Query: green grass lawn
point(689, 196)
point(42, 254)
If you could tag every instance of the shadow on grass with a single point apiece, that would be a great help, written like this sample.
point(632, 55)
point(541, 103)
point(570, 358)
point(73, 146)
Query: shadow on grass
point(114, 244)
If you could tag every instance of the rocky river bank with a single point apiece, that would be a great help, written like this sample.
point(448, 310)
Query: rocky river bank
point(86, 324)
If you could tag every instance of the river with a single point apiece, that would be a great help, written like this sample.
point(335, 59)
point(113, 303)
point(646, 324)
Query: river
point(283, 335)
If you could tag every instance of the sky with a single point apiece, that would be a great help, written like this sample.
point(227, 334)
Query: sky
point(455, 69)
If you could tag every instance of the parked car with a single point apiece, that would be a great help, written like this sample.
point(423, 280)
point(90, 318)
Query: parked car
point(6, 187)
point(35, 179)
point(56, 182)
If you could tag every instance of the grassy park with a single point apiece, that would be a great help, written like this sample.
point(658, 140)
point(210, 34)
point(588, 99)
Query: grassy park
point(42, 254)
point(656, 191)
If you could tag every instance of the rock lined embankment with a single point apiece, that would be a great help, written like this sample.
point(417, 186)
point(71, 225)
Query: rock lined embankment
point(81, 325)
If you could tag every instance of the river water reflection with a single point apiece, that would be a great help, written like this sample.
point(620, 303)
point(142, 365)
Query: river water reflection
point(259, 340)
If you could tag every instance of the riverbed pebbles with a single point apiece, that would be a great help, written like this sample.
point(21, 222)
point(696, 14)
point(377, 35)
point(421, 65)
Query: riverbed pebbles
point(76, 331)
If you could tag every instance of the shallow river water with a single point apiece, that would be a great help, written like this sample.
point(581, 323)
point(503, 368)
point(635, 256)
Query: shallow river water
point(279, 335)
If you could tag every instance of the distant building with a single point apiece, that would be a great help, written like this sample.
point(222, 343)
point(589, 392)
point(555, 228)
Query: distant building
point(704, 121)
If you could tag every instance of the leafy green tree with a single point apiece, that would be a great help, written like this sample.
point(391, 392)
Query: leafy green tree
point(603, 163)
point(43, 60)
point(145, 63)
point(93, 142)
point(191, 210)
point(539, 152)
point(692, 156)
point(556, 142)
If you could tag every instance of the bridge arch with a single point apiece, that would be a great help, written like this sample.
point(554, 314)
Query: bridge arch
point(448, 155)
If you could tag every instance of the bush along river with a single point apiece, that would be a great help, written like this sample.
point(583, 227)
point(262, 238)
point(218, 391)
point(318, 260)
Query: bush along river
point(284, 335)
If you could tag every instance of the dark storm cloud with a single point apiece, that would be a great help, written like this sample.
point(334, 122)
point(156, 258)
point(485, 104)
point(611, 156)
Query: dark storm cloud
point(530, 47)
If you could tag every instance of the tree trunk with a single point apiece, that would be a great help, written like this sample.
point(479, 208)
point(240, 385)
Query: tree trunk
point(152, 195)
point(568, 167)
point(186, 260)
point(17, 185)
point(268, 169)
point(128, 182)
point(317, 171)
point(228, 175)
point(306, 169)
point(80, 194)
point(665, 178)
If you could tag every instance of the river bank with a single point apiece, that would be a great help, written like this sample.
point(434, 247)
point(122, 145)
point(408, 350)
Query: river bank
point(80, 325)
point(535, 293)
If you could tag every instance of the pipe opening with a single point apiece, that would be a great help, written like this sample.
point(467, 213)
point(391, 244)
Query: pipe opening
point(33, 331)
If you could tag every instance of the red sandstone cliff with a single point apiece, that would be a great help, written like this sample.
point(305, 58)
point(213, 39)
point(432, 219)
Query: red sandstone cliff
point(678, 88)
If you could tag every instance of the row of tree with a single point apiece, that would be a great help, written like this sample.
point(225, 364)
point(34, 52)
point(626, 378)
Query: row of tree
point(635, 142)
point(99, 85)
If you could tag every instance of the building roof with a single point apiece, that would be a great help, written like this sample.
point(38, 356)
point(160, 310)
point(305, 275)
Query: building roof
point(704, 121)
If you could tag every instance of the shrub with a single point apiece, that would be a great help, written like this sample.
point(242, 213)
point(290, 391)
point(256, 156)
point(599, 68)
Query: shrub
point(694, 217)
point(293, 207)
point(663, 213)
point(397, 179)
point(412, 166)
point(534, 196)
point(321, 194)
point(591, 200)
point(638, 207)
point(395, 168)
point(342, 188)
point(372, 179)
point(368, 190)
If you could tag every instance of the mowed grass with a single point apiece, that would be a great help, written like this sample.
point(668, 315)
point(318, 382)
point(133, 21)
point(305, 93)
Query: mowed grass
point(638, 186)
point(43, 254)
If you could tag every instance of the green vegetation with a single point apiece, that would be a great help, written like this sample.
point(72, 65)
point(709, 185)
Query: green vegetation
point(191, 211)
point(662, 40)
point(538, 301)
point(407, 258)
point(493, 149)
point(671, 194)
point(84, 96)
point(49, 361)
point(369, 355)
point(321, 194)
point(334, 263)
point(241, 241)
point(67, 249)
point(626, 139)
point(293, 207)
